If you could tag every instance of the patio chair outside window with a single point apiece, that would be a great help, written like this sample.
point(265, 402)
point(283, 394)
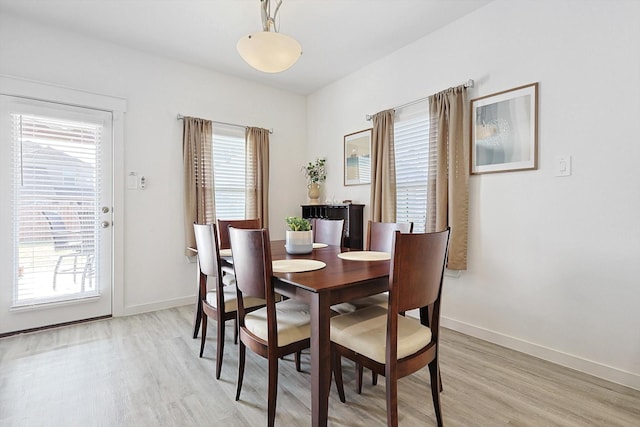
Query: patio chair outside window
point(75, 256)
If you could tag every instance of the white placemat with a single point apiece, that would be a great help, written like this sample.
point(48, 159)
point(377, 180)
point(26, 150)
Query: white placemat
point(319, 245)
point(365, 256)
point(296, 265)
point(225, 252)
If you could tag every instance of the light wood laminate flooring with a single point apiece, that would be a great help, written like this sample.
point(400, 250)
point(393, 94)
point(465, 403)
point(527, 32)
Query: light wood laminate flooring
point(144, 370)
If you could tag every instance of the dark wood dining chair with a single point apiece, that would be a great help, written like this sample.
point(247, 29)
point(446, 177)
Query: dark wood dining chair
point(223, 238)
point(280, 328)
point(224, 224)
point(379, 238)
point(386, 341)
point(328, 231)
point(218, 301)
point(380, 234)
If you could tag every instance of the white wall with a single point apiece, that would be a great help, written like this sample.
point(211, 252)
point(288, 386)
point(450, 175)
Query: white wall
point(554, 263)
point(154, 271)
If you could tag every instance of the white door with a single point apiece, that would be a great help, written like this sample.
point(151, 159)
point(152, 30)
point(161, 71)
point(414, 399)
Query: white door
point(56, 210)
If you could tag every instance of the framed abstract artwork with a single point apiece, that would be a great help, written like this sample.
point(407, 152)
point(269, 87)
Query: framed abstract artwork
point(504, 131)
point(357, 158)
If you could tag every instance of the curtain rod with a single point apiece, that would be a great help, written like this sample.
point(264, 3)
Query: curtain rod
point(469, 83)
point(180, 117)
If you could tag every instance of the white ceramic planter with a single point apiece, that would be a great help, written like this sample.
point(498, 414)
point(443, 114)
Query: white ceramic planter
point(299, 242)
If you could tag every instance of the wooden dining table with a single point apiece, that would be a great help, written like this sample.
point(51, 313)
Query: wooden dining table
point(339, 281)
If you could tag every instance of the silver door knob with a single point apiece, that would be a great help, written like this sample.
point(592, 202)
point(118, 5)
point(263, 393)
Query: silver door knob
point(105, 209)
point(105, 224)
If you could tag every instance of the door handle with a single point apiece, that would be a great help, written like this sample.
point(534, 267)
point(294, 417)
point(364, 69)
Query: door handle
point(105, 224)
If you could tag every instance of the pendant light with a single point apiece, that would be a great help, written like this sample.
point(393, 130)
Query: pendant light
point(268, 50)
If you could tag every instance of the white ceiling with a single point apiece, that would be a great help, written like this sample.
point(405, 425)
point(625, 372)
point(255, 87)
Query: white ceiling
point(337, 36)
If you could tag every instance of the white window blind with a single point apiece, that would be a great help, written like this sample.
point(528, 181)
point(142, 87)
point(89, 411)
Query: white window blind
point(229, 171)
point(55, 199)
point(411, 140)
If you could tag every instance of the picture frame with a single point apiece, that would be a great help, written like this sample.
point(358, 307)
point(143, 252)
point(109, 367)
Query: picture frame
point(357, 157)
point(504, 131)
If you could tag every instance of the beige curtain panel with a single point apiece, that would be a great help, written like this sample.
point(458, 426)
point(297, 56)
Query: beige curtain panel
point(383, 168)
point(257, 167)
point(198, 176)
point(448, 179)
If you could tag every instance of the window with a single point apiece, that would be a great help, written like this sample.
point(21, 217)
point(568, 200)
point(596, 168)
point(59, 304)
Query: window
point(229, 171)
point(411, 141)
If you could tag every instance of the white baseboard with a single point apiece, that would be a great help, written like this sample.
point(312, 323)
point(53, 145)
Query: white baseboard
point(628, 379)
point(158, 305)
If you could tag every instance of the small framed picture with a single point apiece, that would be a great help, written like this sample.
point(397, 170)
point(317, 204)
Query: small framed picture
point(357, 158)
point(504, 131)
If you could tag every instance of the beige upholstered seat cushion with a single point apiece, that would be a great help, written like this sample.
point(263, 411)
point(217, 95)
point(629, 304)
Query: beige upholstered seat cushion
point(293, 322)
point(365, 332)
point(231, 299)
point(381, 300)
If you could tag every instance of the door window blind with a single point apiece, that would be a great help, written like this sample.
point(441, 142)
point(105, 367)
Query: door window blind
point(411, 140)
point(55, 200)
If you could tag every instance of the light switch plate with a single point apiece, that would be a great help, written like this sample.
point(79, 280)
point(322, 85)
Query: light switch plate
point(562, 165)
point(132, 181)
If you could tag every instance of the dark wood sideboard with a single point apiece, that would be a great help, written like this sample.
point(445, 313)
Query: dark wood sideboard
point(353, 220)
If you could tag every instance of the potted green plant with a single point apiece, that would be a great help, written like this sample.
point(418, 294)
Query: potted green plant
point(299, 238)
point(316, 173)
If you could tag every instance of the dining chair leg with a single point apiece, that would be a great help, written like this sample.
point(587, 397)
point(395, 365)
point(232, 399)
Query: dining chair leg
point(198, 319)
point(392, 399)
point(336, 364)
point(273, 391)
point(435, 389)
point(297, 356)
point(358, 378)
point(241, 357)
point(203, 336)
point(235, 330)
point(220, 346)
point(374, 378)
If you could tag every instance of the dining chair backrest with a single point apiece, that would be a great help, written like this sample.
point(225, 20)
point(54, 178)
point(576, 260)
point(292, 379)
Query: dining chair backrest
point(328, 231)
point(380, 234)
point(417, 269)
point(209, 263)
point(252, 263)
point(224, 224)
point(207, 246)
